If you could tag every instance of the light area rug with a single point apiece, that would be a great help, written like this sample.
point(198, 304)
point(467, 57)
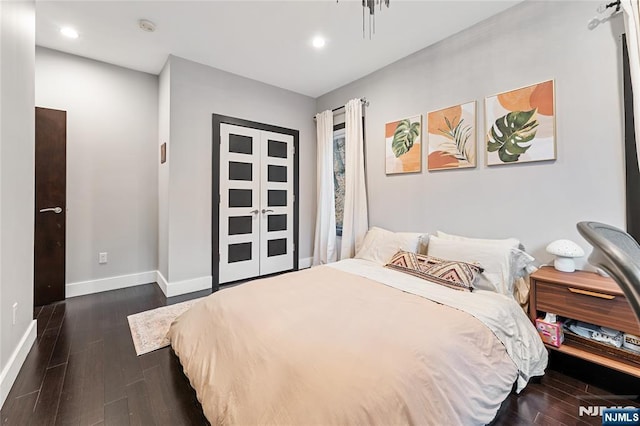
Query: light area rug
point(149, 328)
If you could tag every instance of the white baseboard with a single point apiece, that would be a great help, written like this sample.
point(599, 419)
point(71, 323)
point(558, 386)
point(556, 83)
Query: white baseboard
point(112, 283)
point(305, 262)
point(177, 288)
point(11, 370)
point(169, 289)
point(162, 282)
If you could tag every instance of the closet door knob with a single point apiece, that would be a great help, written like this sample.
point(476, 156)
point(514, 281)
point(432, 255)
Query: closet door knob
point(256, 211)
point(267, 211)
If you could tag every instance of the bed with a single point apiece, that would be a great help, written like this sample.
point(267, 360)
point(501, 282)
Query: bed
point(355, 343)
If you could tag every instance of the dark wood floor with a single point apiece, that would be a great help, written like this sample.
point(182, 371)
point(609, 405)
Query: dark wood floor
point(83, 370)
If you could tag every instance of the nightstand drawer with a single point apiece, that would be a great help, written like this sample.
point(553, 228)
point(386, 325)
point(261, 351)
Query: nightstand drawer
point(595, 307)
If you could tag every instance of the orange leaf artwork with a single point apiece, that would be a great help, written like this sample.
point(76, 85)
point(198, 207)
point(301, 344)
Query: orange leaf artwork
point(452, 137)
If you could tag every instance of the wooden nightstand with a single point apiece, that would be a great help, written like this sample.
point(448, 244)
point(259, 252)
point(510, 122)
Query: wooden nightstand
point(588, 297)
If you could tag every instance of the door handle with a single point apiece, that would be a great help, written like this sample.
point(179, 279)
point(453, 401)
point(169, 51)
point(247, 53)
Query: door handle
point(56, 210)
point(256, 211)
point(267, 211)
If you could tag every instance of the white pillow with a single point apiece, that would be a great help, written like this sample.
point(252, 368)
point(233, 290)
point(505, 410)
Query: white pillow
point(521, 262)
point(423, 240)
point(511, 242)
point(501, 262)
point(380, 245)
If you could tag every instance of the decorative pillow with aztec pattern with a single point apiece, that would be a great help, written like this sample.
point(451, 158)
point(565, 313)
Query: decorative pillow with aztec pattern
point(450, 273)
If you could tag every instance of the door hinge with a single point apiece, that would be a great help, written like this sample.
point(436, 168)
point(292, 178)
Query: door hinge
point(293, 150)
point(218, 257)
point(219, 198)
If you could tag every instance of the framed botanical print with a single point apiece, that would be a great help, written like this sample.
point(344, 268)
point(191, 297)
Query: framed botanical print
point(520, 125)
point(403, 146)
point(452, 137)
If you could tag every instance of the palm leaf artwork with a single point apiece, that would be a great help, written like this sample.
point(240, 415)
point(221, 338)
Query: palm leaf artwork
point(459, 136)
point(404, 136)
point(511, 134)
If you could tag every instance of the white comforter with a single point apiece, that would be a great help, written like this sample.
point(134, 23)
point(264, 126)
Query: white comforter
point(351, 344)
point(500, 313)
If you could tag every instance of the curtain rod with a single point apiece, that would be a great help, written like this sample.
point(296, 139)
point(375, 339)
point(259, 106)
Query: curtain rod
point(615, 3)
point(364, 102)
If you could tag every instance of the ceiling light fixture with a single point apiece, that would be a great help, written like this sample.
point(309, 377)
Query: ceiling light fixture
point(371, 5)
point(69, 32)
point(318, 42)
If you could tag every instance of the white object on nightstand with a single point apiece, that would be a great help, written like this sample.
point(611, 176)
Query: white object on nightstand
point(565, 251)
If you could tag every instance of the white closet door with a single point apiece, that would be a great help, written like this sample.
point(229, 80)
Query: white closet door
point(277, 200)
point(240, 175)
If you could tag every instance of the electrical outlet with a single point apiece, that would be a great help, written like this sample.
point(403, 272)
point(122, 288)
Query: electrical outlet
point(102, 258)
point(15, 312)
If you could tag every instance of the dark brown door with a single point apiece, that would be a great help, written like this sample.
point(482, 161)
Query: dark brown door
point(50, 165)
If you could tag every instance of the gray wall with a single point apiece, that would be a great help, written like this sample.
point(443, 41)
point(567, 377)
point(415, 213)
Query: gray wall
point(112, 160)
point(164, 110)
point(17, 41)
point(537, 202)
point(198, 91)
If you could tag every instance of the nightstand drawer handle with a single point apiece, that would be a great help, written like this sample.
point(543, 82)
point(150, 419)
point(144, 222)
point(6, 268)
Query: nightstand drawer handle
point(591, 293)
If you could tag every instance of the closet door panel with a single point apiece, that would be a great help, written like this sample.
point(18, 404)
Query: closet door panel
point(277, 201)
point(239, 223)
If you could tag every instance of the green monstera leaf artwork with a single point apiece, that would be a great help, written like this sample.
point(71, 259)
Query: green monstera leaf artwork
point(404, 136)
point(511, 135)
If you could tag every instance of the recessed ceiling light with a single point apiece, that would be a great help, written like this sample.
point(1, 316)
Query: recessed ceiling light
point(318, 42)
point(69, 32)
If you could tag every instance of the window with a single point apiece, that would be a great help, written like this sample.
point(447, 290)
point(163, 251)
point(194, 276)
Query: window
point(338, 173)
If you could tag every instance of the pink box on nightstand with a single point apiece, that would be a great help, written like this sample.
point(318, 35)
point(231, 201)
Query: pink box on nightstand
point(551, 333)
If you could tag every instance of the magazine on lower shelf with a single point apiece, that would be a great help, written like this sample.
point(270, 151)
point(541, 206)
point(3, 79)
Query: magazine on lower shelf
point(603, 335)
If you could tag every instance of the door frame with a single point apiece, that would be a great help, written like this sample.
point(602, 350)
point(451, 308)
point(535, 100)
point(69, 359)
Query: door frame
point(217, 120)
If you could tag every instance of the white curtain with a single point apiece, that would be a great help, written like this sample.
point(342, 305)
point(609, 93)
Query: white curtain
point(324, 249)
point(631, 10)
point(355, 222)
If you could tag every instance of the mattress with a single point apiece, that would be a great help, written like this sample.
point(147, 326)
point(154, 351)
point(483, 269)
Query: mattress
point(354, 343)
